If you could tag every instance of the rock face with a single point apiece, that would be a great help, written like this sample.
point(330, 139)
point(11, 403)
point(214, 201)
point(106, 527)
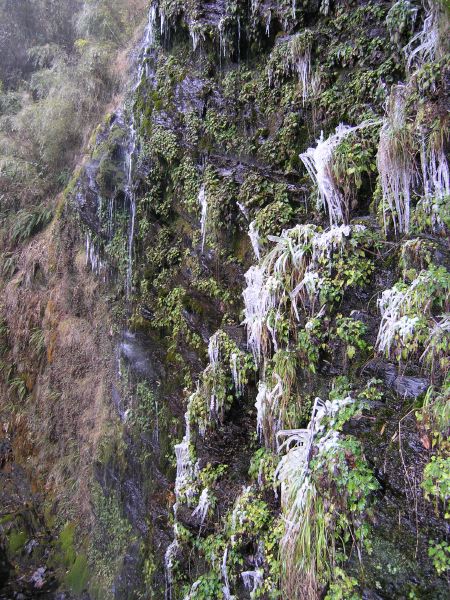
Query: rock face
point(254, 347)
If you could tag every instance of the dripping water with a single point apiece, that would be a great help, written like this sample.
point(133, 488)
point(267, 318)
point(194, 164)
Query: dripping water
point(203, 201)
point(130, 158)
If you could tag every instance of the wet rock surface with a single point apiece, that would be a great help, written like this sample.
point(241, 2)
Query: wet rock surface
point(137, 467)
point(25, 542)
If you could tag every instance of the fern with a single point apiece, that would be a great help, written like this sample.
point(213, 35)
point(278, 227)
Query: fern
point(6, 369)
point(18, 387)
point(29, 222)
point(8, 265)
point(37, 341)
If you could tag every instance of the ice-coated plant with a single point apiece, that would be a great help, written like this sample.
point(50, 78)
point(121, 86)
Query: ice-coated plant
point(407, 312)
point(314, 474)
point(436, 355)
point(319, 164)
point(425, 44)
point(400, 18)
point(289, 275)
point(300, 49)
point(395, 161)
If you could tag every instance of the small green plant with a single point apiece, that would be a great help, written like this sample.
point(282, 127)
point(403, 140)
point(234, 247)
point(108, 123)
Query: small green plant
point(436, 480)
point(262, 468)
point(440, 555)
point(146, 411)
point(352, 333)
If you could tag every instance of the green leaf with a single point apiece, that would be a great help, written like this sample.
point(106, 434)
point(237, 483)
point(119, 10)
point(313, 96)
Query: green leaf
point(351, 350)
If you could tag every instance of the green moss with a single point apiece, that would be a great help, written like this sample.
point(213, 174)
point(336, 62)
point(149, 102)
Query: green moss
point(66, 541)
point(78, 575)
point(16, 541)
point(5, 519)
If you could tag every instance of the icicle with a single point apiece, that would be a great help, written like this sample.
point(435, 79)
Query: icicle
point(395, 164)
point(304, 70)
point(435, 178)
point(203, 201)
point(319, 164)
point(236, 374)
point(169, 562)
point(163, 22)
point(268, 419)
point(186, 469)
point(226, 583)
point(203, 506)
point(196, 35)
point(300, 48)
point(243, 210)
point(254, 238)
point(325, 7)
point(260, 405)
point(191, 595)
point(259, 297)
point(253, 580)
point(92, 256)
point(268, 20)
point(435, 172)
point(222, 48)
point(239, 38)
point(424, 45)
point(214, 349)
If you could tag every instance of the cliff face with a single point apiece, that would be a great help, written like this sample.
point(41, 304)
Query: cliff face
point(228, 353)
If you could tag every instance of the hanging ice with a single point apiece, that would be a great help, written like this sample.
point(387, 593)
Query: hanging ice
point(288, 273)
point(236, 373)
point(203, 506)
point(214, 349)
point(300, 48)
point(226, 583)
point(319, 164)
point(253, 580)
point(402, 308)
point(203, 201)
point(92, 256)
point(169, 563)
point(186, 469)
point(395, 163)
point(424, 45)
point(254, 239)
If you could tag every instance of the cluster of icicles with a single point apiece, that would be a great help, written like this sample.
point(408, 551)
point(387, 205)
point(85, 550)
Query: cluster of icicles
point(188, 468)
point(287, 279)
point(288, 273)
point(93, 258)
point(295, 256)
point(285, 283)
point(399, 175)
point(298, 61)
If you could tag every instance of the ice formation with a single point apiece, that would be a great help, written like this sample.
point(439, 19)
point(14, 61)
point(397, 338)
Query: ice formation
point(319, 164)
